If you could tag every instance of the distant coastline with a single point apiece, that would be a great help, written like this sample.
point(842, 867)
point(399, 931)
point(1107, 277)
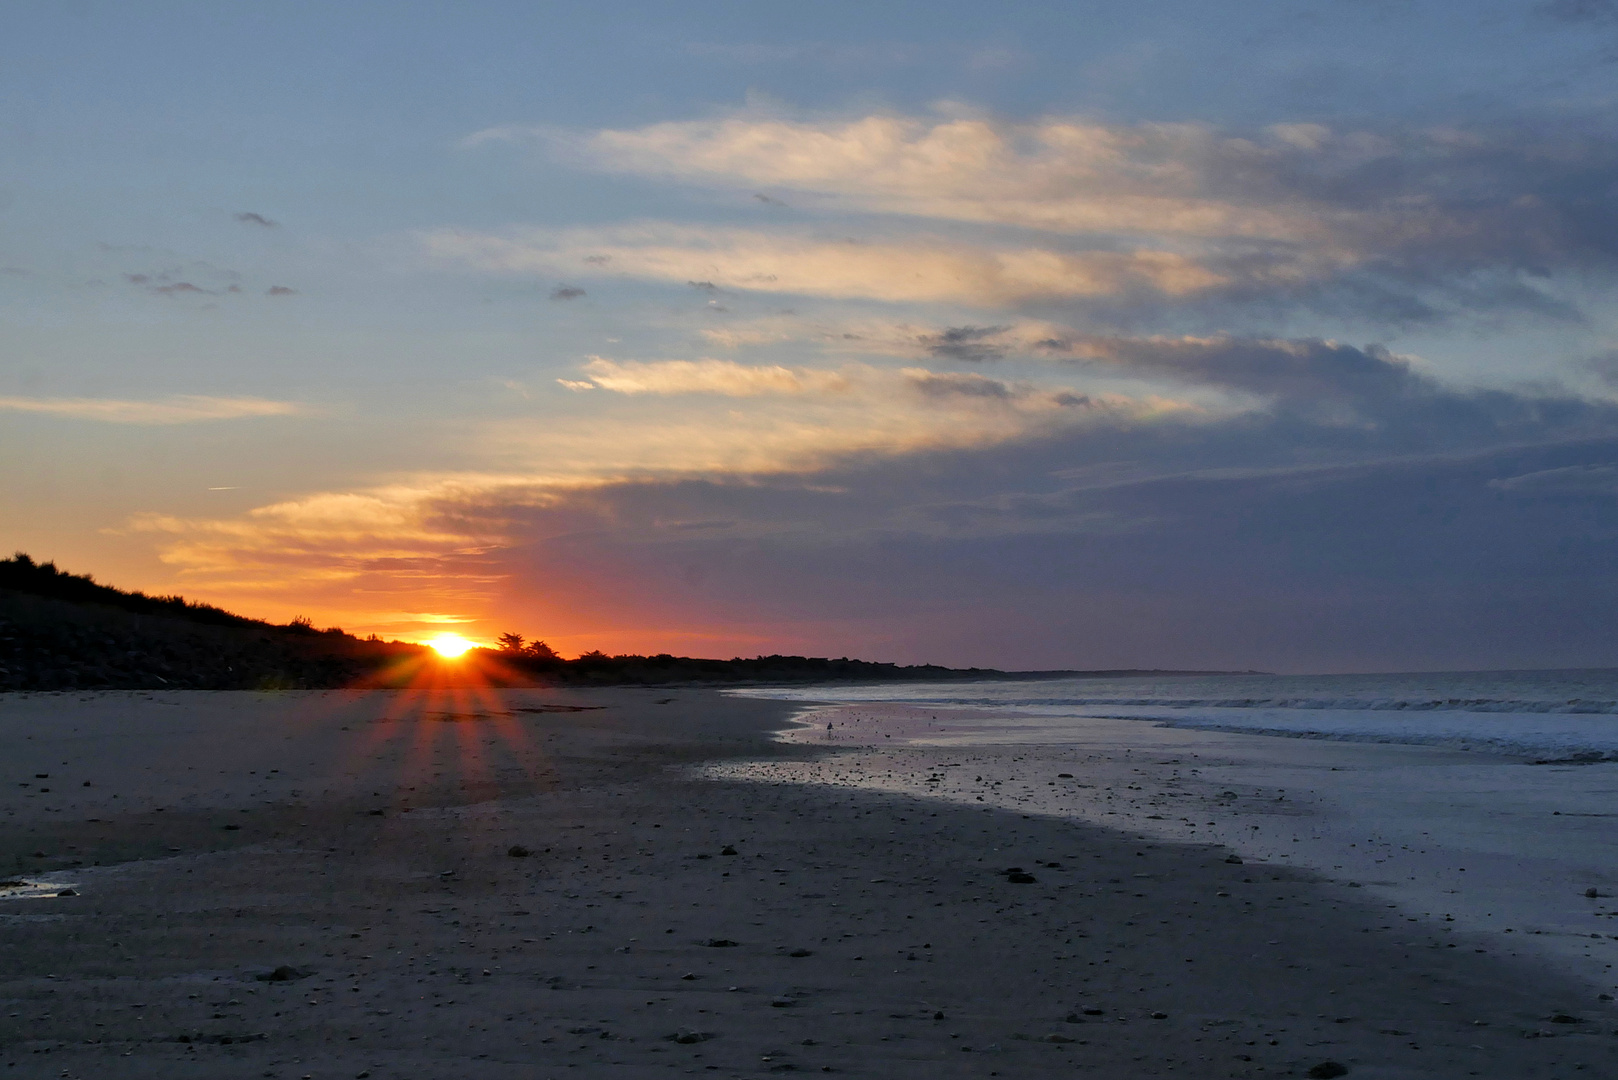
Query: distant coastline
point(64, 631)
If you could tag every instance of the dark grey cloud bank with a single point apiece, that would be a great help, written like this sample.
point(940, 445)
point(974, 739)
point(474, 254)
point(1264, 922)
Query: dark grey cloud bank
point(1367, 518)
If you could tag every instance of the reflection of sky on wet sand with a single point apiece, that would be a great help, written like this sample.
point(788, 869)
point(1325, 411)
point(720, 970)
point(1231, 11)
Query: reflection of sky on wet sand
point(1497, 851)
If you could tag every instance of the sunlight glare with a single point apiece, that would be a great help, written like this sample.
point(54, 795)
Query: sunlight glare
point(450, 646)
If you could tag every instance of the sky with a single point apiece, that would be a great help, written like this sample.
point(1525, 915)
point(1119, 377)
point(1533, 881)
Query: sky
point(1211, 335)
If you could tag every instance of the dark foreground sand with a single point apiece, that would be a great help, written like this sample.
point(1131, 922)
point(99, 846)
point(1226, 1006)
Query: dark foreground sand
point(854, 933)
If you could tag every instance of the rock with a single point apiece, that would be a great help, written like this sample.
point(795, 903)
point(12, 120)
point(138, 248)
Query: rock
point(1233, 859)
point(1160, 1016)
point(721, 943)
point(1592, 893)
point(687, 1036)
point(1064, 776)
point(68, 892)
point(690, 976)
point(1091, 1012)
point(517, 851)
point(1565, 1018)
point(230, 828)
point(1055, 1038)
point(800, 952)
point(1326, 1070)
point(727, 850)
point(1074, 1018)
point(782, 1003)
point(284, 973)
point(1019, 877)
point(938, 1015)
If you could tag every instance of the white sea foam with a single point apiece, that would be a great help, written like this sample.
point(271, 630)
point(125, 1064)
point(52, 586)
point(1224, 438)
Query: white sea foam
point(1552, 714)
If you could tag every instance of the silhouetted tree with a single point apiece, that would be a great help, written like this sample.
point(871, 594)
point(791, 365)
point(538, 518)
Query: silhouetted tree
point(510, 643)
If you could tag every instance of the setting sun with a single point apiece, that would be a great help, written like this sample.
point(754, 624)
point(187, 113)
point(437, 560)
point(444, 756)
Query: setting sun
point(451, 645)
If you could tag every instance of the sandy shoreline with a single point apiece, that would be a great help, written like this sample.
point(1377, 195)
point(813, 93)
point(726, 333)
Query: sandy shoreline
point(857, 917)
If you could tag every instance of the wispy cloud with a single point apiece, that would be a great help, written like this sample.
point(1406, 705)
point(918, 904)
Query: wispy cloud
point(903, 270)
point(182, 409)
point(723, 377)
point(1395, 224)
point(248, 217)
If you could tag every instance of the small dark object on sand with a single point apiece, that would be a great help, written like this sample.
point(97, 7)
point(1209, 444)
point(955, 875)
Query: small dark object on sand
point(727, 850)
point(720, 943)
point(1092, 1012)
point(1233, 858)
point(800, 952)
point(1326, 1070)
point(1064, 776)
point(230, 828)
point(1592, 893)
point(284, 973)
point(1018, 876)
point(1565, 1018)
point(376, 813)
point(68, 892)
point(1160, 1016)
point(517, 851)
point(690, 1036)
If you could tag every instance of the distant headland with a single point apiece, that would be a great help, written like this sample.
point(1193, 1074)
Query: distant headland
point(64, 631)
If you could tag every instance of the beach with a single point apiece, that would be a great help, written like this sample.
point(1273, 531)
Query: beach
point(647, 882)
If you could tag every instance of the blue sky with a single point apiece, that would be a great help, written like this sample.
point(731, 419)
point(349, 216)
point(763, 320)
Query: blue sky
point(1202, 335)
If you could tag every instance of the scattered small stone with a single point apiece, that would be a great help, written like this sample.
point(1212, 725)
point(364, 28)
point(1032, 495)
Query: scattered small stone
point(1160, 1016)
point(376, 813)
point(1566, 1018)
point(1055, 1038)
point(690, 976)
point(800, 952)
point(1074, 1018)
point(782, 1003)
point(1064, 776)
point(1592, 893)
point(68, 892)
point(517, 851)
point(1326, 1070)
point(1018, 876)
point(1092, 1012)
point(727, 850)
point(230, 828)
point(687, 1036)
point(721, 943)
point(938, 1015)
point(1235, 859)
point(284, 973)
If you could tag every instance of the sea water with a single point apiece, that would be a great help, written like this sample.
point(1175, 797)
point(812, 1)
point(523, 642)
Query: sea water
point(1484, 803)
point(1533, 713)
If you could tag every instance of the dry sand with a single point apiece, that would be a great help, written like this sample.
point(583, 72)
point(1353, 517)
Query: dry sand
point(364, 839)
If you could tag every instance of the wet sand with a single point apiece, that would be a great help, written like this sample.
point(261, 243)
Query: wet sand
point(364, 841)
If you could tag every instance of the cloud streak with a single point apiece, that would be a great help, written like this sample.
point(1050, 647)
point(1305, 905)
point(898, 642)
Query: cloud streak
point(181, 409)
point(923, 270)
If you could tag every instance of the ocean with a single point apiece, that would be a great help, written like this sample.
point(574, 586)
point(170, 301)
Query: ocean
point(1570, 713)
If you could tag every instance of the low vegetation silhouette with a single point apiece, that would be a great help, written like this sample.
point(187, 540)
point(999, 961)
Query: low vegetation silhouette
point(62, 631)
